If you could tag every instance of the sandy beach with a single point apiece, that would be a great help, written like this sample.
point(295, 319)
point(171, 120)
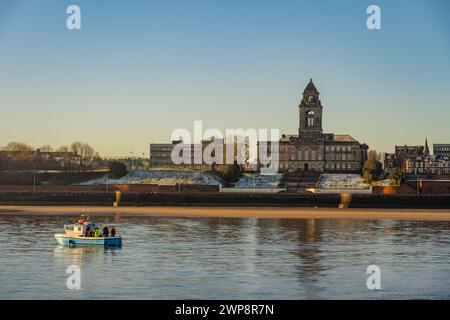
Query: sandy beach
point(227, 212)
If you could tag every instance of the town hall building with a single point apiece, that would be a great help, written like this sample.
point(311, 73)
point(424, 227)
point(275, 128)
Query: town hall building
point(313, 150)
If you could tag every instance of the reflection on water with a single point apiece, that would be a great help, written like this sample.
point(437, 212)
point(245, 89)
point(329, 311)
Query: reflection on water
point(213, 258)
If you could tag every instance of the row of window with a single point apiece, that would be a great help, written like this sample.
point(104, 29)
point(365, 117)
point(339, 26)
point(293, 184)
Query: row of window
point(160, 155)
point(340, 166)
point(328, 166)
point(428, 165)
point(306, 155)
point(339, 156)
point(339, 148)
point(428, 171)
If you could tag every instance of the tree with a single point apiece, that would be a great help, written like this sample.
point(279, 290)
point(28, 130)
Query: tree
point(117, 169)
point(18, 147)
point(77, 148)
point(46, 148)
point(373, 168)
point(84, 151)
point(232, 173)
point(395, 177)
point(63, 149)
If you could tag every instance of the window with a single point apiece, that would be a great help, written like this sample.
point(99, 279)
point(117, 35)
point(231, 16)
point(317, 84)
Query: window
point(313, 155)
point(310, 118)
point(300, 155)
point(306, 155)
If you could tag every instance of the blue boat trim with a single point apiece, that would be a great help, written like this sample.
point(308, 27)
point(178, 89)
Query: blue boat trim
point(64, 239)
point(75, 235)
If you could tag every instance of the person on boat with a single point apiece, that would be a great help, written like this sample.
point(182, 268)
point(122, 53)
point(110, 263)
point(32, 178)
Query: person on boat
point(87, 232)
point(84, 219)
point(97, 233)
point(113, 232)
point(105, 232)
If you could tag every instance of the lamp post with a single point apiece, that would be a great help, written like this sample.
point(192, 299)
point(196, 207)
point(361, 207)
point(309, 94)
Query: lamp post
point(131, 160)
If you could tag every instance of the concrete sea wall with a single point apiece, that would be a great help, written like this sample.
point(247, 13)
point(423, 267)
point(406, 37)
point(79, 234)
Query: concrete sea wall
point(93, 198)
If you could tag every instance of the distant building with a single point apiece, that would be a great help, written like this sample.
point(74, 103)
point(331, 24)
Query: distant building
point(441, 150)
point(418, 160)
point(161, 154)
point(389, 161)
point(404, 153)
point(313, 150)
point(428, 165)
point(310, 150)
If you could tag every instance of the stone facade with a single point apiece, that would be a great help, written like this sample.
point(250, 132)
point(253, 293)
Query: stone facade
point(313, 150)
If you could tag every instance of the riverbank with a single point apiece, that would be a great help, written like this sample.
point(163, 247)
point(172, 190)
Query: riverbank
point(228, 212)
point(217, 199)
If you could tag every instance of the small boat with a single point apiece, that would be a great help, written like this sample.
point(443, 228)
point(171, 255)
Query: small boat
point(81, 233)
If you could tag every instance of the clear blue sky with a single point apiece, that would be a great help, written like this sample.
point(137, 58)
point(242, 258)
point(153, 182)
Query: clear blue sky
point(139, 69)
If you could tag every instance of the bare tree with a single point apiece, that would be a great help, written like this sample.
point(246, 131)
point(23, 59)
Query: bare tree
point(88, 153)
point(84, 151)
point(46, 148)
point(77, 148)
point(64, 149)
point(18, 147)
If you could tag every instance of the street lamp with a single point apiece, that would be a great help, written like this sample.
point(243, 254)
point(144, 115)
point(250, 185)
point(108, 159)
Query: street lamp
point(131, 160)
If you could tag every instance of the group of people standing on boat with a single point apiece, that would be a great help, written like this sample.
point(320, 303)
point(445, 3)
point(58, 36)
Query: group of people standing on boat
point(95, 231)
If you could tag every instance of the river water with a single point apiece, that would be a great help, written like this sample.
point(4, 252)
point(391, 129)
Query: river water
point(213, 258)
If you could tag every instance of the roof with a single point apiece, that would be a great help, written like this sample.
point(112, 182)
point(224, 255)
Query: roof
point(88, 224)
point(311, 88)
point(287, 137)
point(343, 138)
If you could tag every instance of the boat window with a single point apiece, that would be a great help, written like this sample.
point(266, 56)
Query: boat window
point(69, 228)
point(79, 228)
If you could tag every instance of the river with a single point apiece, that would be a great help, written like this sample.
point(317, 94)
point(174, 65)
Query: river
point(228, 258)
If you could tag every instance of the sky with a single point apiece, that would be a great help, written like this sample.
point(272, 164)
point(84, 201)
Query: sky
point(138, 70)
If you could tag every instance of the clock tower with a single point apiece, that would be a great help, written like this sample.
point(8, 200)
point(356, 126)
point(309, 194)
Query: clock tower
point(310, 114)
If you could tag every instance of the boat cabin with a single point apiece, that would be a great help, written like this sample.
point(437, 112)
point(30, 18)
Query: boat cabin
point(75, 229)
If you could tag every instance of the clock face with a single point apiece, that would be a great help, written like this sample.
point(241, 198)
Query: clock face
point(310, 98)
